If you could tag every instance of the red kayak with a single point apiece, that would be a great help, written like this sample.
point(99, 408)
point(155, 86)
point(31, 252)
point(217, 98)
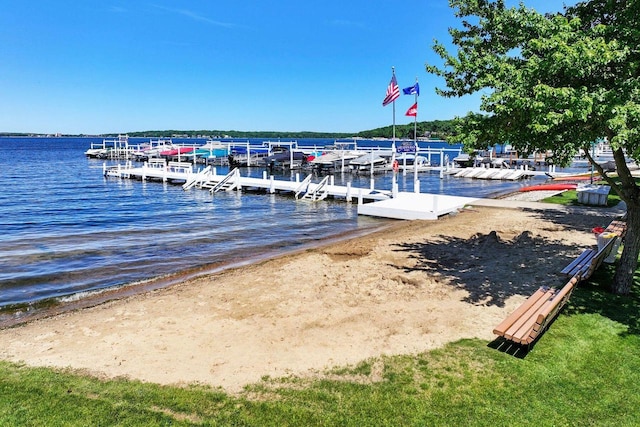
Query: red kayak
point(550, 187)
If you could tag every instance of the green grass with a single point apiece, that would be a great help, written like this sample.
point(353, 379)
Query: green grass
point(585, 370)
point(570, 198)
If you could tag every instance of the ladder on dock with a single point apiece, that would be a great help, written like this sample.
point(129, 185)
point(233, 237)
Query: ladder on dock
point(319, 192)
point(303, 187)
point(197, 178)
point(230, 182)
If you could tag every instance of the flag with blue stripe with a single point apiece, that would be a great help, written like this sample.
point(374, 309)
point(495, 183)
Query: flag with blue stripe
point(412, 90)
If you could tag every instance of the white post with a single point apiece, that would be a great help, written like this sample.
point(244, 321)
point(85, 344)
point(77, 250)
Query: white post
point(371, 171)
point(441, 163)
point(272, 188)
point(348, 196)
point(394, 185)
point(404, 164)
point(415, 164)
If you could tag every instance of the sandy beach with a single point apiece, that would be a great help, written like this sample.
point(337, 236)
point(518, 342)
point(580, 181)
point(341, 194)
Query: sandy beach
point(407, 289)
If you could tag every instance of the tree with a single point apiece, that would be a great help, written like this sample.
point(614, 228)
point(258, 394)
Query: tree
point(554, 82)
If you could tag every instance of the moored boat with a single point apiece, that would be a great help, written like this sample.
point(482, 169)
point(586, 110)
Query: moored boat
point(366, 162)
point(283, 157)
point(153, 148)
point(176, 151)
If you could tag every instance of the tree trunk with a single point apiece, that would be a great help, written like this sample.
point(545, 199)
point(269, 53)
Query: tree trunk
point(623, 279)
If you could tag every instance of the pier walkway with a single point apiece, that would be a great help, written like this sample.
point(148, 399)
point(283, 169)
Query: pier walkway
point(371, 201)
point(210, 180)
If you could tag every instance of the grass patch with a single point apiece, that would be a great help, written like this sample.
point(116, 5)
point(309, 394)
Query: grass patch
point(584, 371)
point(570, 198)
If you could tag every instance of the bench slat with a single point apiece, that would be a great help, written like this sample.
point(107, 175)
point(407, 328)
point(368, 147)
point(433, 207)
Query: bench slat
point(597, 259)
point(550, 310)
point(618, 227)
point(502, 328)
point(530, 319)
point(579, 263)
point(523, 324)
point(589, 260)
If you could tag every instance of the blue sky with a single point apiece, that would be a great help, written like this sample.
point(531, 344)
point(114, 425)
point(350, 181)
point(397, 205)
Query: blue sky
point(89, 66)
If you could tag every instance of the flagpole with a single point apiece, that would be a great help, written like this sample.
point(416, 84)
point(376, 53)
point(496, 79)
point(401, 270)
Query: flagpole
point(394, 185)
point(393, 92)
point(415, 118)
point(416, 183)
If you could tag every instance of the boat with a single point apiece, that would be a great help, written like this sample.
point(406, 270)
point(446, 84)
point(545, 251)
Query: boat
point(406, 159)
point(550, 187)
point(176, 151)
point(283, 157)
point(247, 155)
point(153, 148)
point(96, 152)
point(577, 177)
point(103, 149)
point(465, 160)
point(211, 150)
point(367, 162)
point(334, 159)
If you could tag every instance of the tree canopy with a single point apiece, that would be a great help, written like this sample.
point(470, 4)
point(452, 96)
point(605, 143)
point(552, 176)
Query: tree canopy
point(554, 82)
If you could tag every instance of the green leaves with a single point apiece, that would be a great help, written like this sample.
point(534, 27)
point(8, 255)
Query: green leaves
point(557, 78)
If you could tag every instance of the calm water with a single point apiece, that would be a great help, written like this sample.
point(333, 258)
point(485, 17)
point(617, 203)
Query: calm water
point(66, 231)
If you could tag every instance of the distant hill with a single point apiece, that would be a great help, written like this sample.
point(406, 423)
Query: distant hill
point(236, 134)
point(434, 128)
point(441, 129)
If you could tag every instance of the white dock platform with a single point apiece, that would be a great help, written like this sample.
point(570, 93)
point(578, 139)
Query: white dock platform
point(208, 179)
point(415, 206)
point(381, 203)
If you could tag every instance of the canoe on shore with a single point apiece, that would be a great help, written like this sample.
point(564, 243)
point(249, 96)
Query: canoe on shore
point(577, 177)
point(550, 187)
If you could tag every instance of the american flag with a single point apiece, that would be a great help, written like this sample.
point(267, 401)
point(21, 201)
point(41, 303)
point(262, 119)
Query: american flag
point(393, 91)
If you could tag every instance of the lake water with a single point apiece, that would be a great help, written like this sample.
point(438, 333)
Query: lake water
point(66, 231)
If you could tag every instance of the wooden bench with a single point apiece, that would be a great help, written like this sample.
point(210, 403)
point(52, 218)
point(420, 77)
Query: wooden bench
point(590, 259)
point(618, 227)
point(528, 321)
